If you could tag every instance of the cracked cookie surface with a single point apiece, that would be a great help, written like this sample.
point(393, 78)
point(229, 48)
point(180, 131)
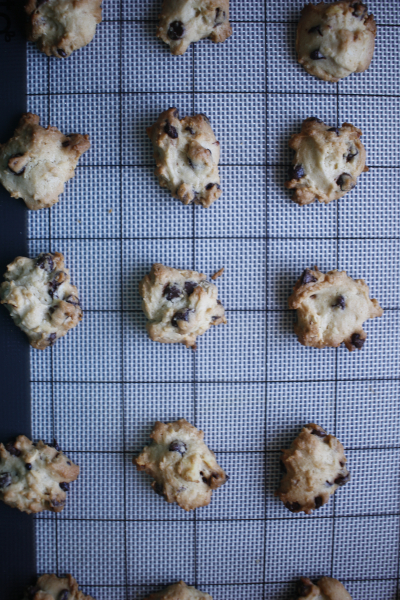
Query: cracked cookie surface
point(335, 40)
point(327, 162)
point(185, 21)
point(36, 162)
point(187, 155)
point(51, 587)
point(179, 591)
point(326, 588)
point(35, 477)
point(185, 471)
point(331, 309)
point(180, 305)
point(40, 298)
point(314, 467)
point(61, 26)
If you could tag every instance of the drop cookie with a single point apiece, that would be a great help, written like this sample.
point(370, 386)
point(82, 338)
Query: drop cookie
point(180, 305)
point(185, 471)
point(58, 27)
point(51, 587)
point(36, 162)
point(331, 309)
point(186, 152)
point(185, 21)
point(326, 588)
point(179, 591)
point(35, 477)
point(335, 40)
point(40, 298)
point(327, 162)
point(314, 467)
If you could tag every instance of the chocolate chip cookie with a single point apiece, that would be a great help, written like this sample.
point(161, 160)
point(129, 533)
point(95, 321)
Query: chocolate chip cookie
point(61, 26)
point(40, 297)
point(335, 40)
point(180, 305)
point(179, 591)
point(36, 162)
point(185, 471)
point(35, 477)
point(185, 21)
point(187, 155)
point(314, 467)
point(327, 162)
point(326, 588)
point(331, 309)
point(51, 587)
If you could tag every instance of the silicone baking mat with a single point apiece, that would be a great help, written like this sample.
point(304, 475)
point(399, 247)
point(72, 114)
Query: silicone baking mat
point(250, 386)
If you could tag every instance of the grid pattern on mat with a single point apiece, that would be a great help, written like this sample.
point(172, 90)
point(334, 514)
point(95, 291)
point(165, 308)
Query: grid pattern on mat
point(250, 385)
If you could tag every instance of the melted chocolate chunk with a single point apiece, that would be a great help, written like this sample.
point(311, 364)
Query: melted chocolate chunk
point(342, 479)
point(335, 129)
point(296, 172)
point(171, 291)
point(303, 588)
point(28, 466)
point(61, 52)
point(319, 433)
point(57, 503)
point(189, 287)
point(219, 302)
point(52, 338)
point(170, 130)
point(307, 277)
point(17, 173)
point(357, 341)
point(209, 186)
point(158, 488)
point(45, 261)
point(340, 301)
point(64, 486)
point(318, 501)
point(190, 130)
point(176, 113)
point(66, 143)
point(316, 29)
point(182, 315)
point(72, 300)
point(345, 182)
point(177, 446)
point(13, 450)
point(58, 280)
point(176, 30)
point(293, 506)
point(352, 153)
point(316, 55)
point(5, 480)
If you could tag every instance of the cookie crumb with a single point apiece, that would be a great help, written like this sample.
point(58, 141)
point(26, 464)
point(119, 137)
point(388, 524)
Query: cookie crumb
point(218, 274)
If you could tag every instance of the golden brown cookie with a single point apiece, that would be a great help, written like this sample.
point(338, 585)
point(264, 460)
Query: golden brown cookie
point(51, 587)
point(326, 588)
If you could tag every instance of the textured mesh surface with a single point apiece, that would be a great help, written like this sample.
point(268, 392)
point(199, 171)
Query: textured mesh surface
point(250, 386)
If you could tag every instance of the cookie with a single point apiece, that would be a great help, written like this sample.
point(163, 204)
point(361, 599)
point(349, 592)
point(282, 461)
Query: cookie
point(36, 162)
point(51, 587)
point(185, 21)
point(180, 305)
point(179, 591)
point(327, 162)
point(41, 300)
point(331, 309)
point(185, 471)
point(61, 26)
point(335, 40)
point(35, 477)
point(314, 467)
point(326, 588)
point(187, 155)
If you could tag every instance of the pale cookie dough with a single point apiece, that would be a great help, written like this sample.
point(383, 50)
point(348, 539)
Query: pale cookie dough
point(36, 162)
point(51, 587)
point(179, 591)
point(41, 300)
point(185, 471)
point(180, 305)
point(35, 477)
point(331, 309)
point(326, 588)
point(314, 467)
point(187, 155)
point(61, 26)
point(327, 162)
point(185, 21)
point(335, 40)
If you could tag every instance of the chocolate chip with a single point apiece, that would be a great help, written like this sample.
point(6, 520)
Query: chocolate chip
point(177, 446)
point(307, 277)
point(314, 119)
point(296, 172)
point(176, 113)
point(182, 315)
point(191, 165)
point(64, 594)
point(66, 144)
point(341, 463)
point(52, 338)
point(359, 10)
point(189, 287)
point(303, 588)
point(170, 130)
point(318, 501)
point(335, 129)
point(328, 484)
point(209, 186)
point(5, 480)
point(357, 341)
point(316, 29)
point(352, 153)
point(316, 55)
point(282, 467)
point(158, 488)
point(319, 433)
point(64, 486)
point(57, 280)
point(215, 317)
point(56, 503)
point(293, 506)
point(219, 302)
point(45, 261)
point(345, 182)
point(342, 479)
point(17, 173)
point(190, 130)
point(61, 52)
point(171, 291)
point(12, 449)
point(340, 301)
point(72, 300)
point(176, 30)
point(28, 466)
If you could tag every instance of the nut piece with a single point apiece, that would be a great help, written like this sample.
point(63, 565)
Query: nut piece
point(331, 309)
point(36, 162)
point(51, 587)
point(313, 467)
point(184, 469)
point(179, 591)
point(326, 588)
